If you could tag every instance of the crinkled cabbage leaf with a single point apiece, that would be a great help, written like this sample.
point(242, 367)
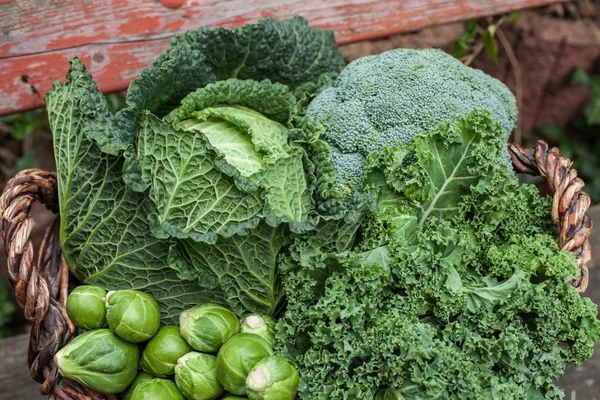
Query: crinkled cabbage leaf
point(191, 191)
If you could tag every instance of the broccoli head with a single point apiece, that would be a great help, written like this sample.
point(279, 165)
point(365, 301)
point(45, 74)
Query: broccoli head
point(386, 99)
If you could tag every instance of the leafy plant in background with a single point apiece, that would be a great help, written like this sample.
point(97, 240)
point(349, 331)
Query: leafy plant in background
point(22, 125)
point(579, 140)
point(481, 35)
point(468, 42)
point(27, 160)
point(115, 102)
point(7, 308)
point(592, 111)
point(476, 37)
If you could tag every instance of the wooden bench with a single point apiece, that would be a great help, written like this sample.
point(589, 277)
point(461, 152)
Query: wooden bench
point(116, 39)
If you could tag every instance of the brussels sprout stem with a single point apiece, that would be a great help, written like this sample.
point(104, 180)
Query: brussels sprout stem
point(109, 294)
point(183, 318)
point(254, 322)
point(184, 358)
point(58, 362)
point(258, 379)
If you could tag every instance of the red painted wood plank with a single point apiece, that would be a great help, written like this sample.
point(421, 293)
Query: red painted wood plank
point(117, 38)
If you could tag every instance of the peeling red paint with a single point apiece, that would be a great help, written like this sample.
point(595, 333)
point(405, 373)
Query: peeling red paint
point(136, 25)
point(68, 42)
point(235, 21)
point(174, 26)
point(131, 35)
point(172, 3)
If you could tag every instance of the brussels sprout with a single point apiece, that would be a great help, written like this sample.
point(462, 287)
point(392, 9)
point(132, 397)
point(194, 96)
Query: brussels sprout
point(196, 377)
point(273, 378)
point(85, 307)
point(237, 357)
point(163, 350)
point(233, 397)
point(140, 378)
point(132, 315)
point(100, 360)
point(156, 389)
point(261, 325)
point(207, 326)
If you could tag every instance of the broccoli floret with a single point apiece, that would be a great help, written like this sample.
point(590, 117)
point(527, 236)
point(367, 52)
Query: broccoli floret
point(352, 168)
point(388, 98)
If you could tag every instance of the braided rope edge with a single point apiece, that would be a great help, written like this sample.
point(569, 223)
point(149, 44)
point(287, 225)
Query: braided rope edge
point(569, 203)
point(40, 287)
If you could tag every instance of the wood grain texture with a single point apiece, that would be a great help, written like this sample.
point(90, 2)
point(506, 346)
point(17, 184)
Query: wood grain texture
point(117, 38)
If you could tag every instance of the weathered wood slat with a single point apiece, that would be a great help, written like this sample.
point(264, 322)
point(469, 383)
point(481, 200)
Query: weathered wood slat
point(15, 380)
point(118, 38)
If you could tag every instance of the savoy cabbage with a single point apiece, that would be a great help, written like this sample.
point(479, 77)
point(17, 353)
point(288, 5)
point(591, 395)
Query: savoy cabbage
point(192, 190)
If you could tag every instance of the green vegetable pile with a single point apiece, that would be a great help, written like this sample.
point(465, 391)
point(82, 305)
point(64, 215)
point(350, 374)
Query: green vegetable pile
point(454, 286)
point(208, 355)
point(364, 222)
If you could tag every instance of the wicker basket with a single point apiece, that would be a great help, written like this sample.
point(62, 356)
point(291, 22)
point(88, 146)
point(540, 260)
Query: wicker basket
point(41, 284)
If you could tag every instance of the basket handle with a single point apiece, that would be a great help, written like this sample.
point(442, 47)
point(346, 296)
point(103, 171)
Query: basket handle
point(40, 287)
point(569, 202)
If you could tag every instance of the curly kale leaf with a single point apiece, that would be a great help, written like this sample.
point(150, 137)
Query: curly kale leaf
point(422, 321)
point(428, 178)
point(460, 293)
